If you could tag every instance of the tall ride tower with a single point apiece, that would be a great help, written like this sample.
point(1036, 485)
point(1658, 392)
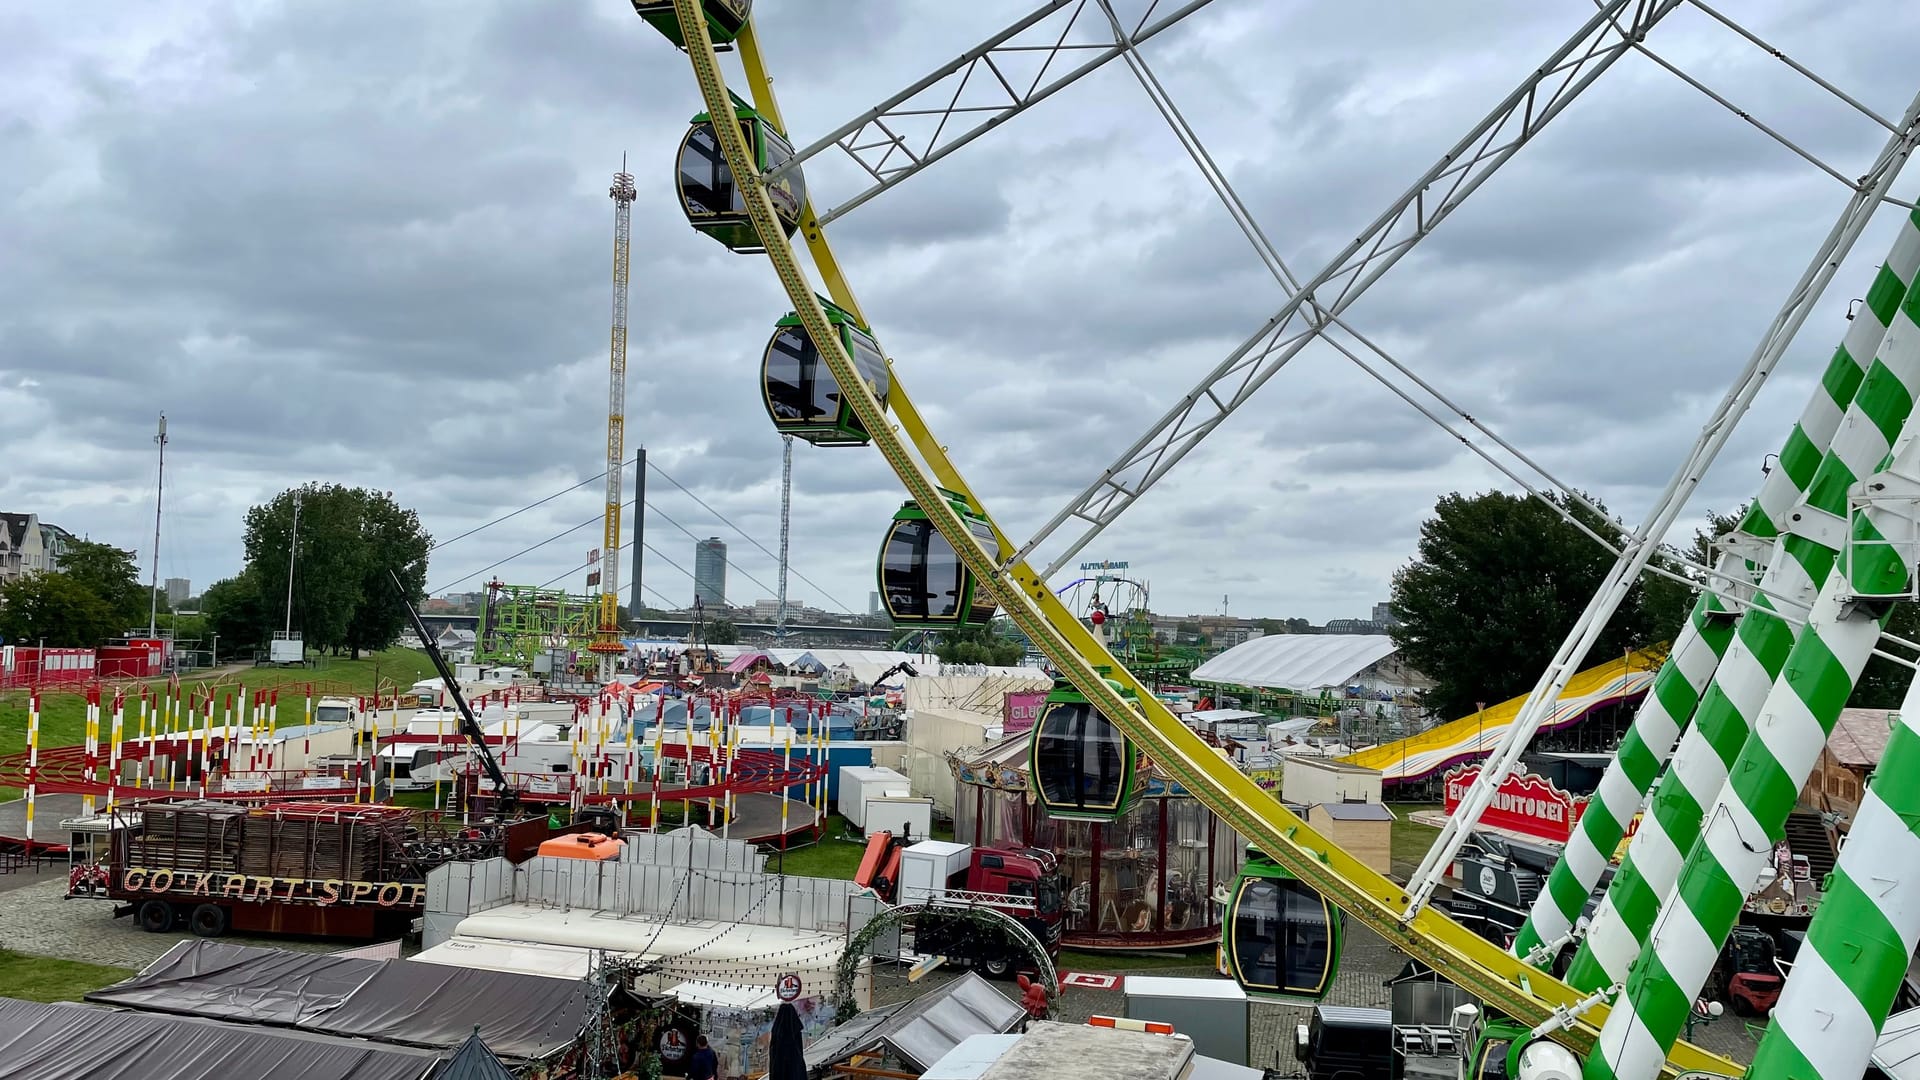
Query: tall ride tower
point(606, 637)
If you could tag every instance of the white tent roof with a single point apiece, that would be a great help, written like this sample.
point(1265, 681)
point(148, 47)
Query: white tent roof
point(1303, 662)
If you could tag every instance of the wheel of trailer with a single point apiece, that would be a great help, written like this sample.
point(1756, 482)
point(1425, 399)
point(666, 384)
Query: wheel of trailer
point(999, 967)
point(208, 920)
point(156, 916)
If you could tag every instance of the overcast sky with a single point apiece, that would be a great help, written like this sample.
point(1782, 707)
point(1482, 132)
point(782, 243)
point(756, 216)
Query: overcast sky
point(368, 243)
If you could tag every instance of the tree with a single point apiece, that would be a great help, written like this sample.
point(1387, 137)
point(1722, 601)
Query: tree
point(235, 610)
point(393, 544)
point(1496, 583)
point(57, 608)
point(109, 574)
point(977, 645)
point(348, 541)
point(721, 631)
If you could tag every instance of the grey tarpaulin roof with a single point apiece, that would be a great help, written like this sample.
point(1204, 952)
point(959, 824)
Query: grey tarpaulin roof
point(921, 1031)
point(521, 1017)
point(79, 1042)
point(239, 983)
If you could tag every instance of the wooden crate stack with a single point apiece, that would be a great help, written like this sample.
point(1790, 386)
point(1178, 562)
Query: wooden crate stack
point(188, 836)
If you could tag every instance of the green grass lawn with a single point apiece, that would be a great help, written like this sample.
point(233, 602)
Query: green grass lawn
point(63, 713)
point(831, 857)
point(1411, 841)
point(37, 978)
point(1076, 960)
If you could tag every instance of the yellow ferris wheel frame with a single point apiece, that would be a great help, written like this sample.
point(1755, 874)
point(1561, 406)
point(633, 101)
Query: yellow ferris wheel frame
point(1504, 982)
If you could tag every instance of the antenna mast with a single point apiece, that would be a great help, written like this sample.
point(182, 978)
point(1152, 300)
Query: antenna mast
point(153, 572)
point(786, 521)
point(606, 638)
point(293, 547)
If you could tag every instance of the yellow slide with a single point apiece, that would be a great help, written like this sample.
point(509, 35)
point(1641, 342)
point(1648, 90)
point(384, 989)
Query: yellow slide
point(1471, 737)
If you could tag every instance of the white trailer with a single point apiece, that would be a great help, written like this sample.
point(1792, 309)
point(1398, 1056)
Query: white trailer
point(901, 814)
point(926, 869)
point(858, 783)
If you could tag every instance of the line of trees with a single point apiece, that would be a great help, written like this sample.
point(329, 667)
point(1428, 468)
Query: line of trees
point(349, 541)
point(93, 597)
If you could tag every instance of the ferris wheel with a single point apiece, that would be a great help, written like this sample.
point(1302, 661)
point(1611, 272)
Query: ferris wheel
point(1113, 604)
point(1790, 611)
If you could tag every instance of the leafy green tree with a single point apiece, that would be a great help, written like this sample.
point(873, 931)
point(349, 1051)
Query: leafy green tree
point(347, 541)
point(59, 609)
point(110, 575)
point(393, 543)
point(1497, 581)
point(1883, 684)
point(720, 630)
point(235, 610)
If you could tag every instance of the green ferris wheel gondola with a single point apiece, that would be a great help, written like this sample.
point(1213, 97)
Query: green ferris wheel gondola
point(713, 203)
point(725, 19)
point(1082, 766)
point(799, 390)
point(922, 579)
point(1281, 939)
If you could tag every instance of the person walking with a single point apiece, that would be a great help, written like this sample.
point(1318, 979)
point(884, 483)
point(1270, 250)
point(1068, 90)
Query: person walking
point(704, 1064)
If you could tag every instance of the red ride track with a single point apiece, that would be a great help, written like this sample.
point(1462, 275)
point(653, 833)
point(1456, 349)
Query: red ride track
point(66, 770)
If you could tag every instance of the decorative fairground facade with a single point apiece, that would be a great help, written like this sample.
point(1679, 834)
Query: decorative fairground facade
point(1144, 881)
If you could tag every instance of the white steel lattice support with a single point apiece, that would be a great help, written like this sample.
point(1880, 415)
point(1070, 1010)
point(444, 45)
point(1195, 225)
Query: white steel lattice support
point(606, 640)
point(786, 523)
point(1633, 557)
point(889, 156)
point(1540, 97)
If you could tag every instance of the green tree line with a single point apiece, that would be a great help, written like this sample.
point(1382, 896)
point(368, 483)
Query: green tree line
point(93, 597)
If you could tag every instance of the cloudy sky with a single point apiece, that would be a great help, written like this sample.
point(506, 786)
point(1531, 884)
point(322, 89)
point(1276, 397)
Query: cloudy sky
point(368, 243)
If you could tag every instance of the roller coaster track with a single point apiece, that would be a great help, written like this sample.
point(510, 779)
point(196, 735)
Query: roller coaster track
point(1503, 982)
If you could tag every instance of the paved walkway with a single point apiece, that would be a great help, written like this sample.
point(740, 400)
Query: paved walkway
point(38, 920)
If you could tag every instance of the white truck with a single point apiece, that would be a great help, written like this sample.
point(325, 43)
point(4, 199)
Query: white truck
point(342, 710)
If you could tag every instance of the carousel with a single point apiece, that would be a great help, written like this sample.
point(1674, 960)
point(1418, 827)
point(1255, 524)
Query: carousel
point(1140, 881)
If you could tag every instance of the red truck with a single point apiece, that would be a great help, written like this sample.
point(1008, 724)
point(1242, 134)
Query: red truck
point(1022, 883)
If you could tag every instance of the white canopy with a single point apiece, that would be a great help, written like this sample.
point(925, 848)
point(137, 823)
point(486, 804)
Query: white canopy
point(1303, 662)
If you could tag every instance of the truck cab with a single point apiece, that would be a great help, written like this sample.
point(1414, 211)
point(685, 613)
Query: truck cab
point(1021, 883)
point(340, 710)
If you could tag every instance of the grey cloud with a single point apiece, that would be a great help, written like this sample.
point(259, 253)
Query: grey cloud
point(370, 243)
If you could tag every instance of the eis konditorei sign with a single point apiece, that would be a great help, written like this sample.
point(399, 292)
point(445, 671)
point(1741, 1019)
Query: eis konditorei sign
point(1525, 803)
point(247, 887)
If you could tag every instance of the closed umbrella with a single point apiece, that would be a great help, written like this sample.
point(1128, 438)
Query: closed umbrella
point(786, 1054)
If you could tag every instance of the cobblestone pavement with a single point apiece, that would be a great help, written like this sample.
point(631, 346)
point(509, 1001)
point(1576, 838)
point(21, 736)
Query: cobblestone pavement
point(37, 919)
point(1367, 962)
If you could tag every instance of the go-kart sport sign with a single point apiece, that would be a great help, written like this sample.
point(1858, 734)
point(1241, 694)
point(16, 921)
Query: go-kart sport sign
point(1525, 803)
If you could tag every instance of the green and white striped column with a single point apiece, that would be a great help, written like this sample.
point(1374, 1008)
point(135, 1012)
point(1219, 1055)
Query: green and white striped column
point(1856, 954)
point(1747, 816)
point(1642, 753)
point(1748, 665)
